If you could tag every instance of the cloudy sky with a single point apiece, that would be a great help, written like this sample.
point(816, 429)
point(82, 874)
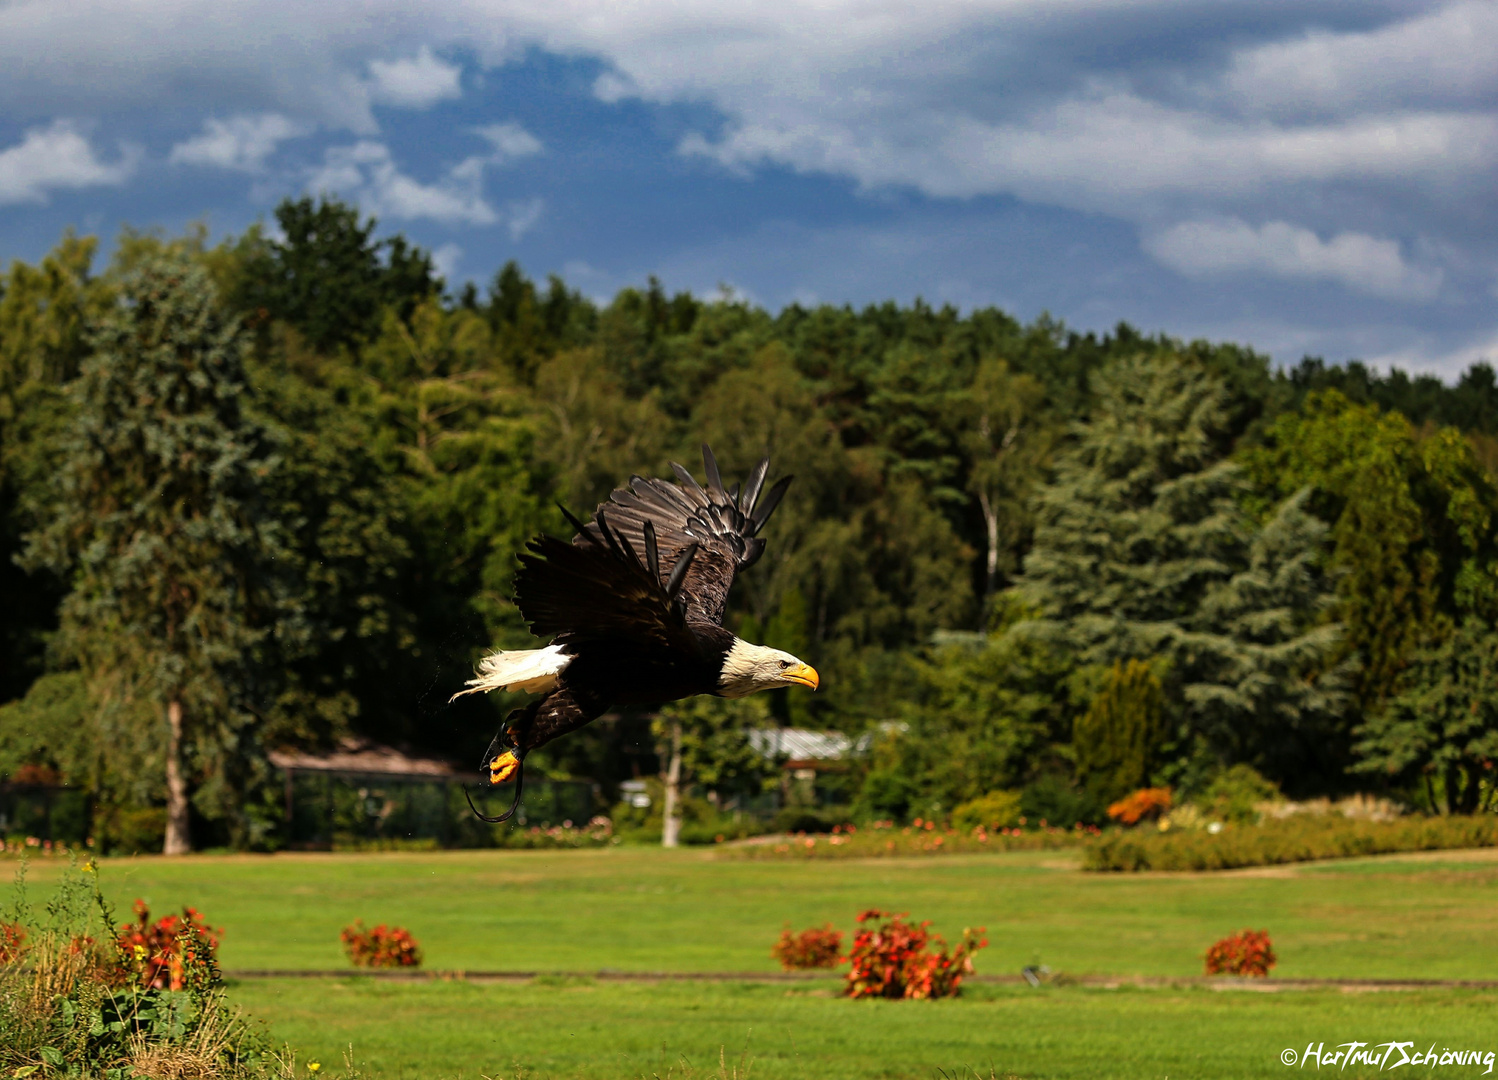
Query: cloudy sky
point(1306, 176)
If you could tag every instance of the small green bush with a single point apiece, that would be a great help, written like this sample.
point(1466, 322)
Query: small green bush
point(134, 831)
point(806, 819)
point(1235, 794)
point(1295, 839)
point(996, 810)
point(1052, 800)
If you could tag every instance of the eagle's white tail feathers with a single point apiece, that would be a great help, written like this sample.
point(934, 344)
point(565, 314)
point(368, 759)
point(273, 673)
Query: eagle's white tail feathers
point(533, 671)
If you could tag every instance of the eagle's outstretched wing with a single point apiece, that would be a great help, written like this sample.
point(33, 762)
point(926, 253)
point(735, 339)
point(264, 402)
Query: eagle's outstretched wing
point(721, 526)
point(600, 590)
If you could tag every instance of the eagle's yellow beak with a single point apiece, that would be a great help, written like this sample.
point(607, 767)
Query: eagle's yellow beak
point(804, 674)
point(503, 767)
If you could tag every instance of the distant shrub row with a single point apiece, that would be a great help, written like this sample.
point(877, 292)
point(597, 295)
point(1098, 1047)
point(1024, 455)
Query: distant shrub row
point(884, 838)
point(1287, 840)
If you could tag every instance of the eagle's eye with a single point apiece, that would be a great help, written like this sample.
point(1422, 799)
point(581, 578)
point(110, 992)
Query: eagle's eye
point(784, 664)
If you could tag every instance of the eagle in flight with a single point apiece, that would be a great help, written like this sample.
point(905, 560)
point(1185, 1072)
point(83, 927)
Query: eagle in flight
point(634, 610)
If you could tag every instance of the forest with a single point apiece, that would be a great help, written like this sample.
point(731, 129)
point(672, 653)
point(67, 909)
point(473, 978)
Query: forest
point(269, 492)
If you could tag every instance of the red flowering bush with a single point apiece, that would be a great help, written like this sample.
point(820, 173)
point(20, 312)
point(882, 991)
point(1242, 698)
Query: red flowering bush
point(891, 959)
point(171, 952)
point(1145, 803)
point(382, 947)
point(1247, 952)
point(12, 942)
point(814, 948)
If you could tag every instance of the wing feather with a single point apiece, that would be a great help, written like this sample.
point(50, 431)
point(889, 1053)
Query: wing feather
point(722, 528)
point(594, 592)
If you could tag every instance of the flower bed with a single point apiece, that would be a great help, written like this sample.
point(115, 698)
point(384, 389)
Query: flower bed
point(885, 839)
point(383, 947)
point(162, 954)
point(893, 959)
point(82, 997)
point(1296, 839)
point(598, 832)
point(1247, 953)
point(818, 947)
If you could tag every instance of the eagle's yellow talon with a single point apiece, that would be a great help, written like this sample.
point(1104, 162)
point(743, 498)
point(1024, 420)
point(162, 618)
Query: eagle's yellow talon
point(503, 767)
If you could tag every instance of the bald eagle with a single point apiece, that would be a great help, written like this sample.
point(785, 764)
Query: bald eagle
point(634, 610)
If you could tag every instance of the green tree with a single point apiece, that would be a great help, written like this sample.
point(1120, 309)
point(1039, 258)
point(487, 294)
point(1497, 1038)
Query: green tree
point(161, 535)
point(1140, 519)
point(706, 741)
point(981, 713)
point(1118, 739)
point(787, 631)
point(1414, 542)
point(1441, 726)
point(1009, 440)
point(1271, 690)
point(43, 311)
point(328, 276)
point(1142, 552)
point(349, 550)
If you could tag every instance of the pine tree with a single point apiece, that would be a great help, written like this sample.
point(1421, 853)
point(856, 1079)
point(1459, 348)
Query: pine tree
point(170, 563)
point(1142, 552)
point(1268, 688)
point(1140, 519)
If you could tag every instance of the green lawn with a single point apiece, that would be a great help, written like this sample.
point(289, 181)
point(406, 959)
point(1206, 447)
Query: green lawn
point(1432, 916)
point(1423, 916)
point(599, 1030)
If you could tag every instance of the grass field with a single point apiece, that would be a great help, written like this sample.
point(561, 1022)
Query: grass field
point(556, 1029)
point(1426, 916)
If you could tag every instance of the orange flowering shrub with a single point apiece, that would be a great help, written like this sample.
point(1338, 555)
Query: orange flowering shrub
point(1148, 802)
point(891, 959)
point(382, 947)
point(1247, 952)
point(814, 948)
point(171, 952)
point(12, 942)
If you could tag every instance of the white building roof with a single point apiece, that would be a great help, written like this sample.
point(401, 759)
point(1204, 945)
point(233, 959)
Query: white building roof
point(798, 744)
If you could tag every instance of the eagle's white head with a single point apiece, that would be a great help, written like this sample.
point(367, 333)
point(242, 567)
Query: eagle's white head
point(747, 668)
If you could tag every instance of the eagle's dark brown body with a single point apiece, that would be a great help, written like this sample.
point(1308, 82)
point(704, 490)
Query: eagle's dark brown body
point(607, 674)
point(636, 599)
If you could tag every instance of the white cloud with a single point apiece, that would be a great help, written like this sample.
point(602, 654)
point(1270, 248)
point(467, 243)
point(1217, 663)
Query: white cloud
point(58, 156)
point(366, 173)
point(1444, 56)
point(523, 216)
point(416, 83)
point(1109, 152)
point(446, 260)
point(1354, 121)
point(952, 97)
point(510, 142)
point(1431, 356)
point(1359, 261)
point(241, 142)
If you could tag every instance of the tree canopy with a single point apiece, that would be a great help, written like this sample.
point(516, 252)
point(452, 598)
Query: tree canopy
point(297, 469)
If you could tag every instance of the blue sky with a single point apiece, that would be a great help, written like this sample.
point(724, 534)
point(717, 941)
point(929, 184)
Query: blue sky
point(1307, 177)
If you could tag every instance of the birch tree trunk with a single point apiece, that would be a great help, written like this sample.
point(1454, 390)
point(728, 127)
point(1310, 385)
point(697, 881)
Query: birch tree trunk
point(671, 813)
point(991, 528)
point(178, 842)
